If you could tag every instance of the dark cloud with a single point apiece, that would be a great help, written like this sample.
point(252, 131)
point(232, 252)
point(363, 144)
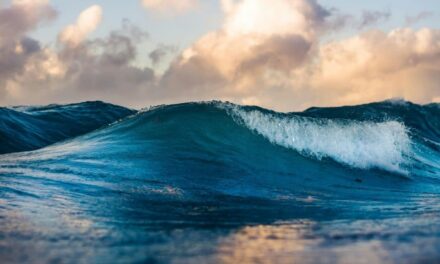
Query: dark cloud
point(338, 20)
point(16, 48)
point(411, 20)
point(133, 31)
point(106, 65)
point(18, 19)
point(14, 56)
point(159, 53)
point(370, 18)
point(316, 14)
point(198, 78)
point(280, 53)
point(29, 45)
point(103, 68)
point(11, 62)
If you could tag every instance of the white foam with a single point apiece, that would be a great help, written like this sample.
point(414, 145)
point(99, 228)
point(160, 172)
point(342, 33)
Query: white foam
point(363, 145)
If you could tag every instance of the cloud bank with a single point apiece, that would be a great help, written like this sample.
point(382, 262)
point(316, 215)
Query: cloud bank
point(274, 54)
point(259, 43)
point(78, 69)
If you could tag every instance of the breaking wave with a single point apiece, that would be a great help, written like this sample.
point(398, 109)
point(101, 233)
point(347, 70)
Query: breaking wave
point(360, 144)
point(173, 176)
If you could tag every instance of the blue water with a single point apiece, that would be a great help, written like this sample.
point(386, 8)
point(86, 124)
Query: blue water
point(222, 183)
point(26, 128)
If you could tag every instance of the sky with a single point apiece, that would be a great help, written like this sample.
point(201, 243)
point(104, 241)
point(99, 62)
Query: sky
point(285, 55)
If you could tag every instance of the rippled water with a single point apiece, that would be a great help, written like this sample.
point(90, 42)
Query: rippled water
point(221, 183)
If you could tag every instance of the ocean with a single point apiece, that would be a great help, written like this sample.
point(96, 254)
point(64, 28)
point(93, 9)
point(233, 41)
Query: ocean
point(216, 182)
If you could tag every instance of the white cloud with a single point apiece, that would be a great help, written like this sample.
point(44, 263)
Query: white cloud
point(272, 54)
point(86, 23)
point(260, 43)
point(267, 17)
point(377, 65)
point(267, 53)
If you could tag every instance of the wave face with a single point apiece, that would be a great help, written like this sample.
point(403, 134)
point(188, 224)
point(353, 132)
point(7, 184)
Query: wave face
point(217, 182)
point(29, 128)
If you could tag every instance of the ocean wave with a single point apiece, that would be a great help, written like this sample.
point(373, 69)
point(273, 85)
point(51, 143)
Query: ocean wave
point(360, 144)
point(202, 172)
point(24, 128)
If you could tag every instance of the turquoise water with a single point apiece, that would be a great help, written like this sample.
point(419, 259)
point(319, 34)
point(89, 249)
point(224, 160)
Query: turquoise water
point(221, 183)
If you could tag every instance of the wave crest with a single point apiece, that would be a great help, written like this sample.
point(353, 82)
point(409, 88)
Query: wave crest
point(359, 144)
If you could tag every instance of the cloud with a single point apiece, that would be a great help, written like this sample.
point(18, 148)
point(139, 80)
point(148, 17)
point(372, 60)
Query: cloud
point(377, 65)
point(102, 68)
point(272, 54)
point(78, 69)
point(260, 41)
point(16, 48)
point(23, 16)
point(411, 20)
point(86, 23)
point(269, 18)
point(174, 7)
point(373, 17)
point(158, 54)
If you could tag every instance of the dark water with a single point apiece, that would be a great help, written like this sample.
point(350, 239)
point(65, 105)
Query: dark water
point(221, 183)
point(27, 128)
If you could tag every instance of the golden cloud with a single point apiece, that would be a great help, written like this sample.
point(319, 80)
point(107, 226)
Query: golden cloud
point(86, 23)
point(272, 54)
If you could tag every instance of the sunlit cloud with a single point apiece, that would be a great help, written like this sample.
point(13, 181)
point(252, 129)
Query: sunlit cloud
point(259, 45)
point(377, 65)
point(86, 23)
point(273, 54)
point(81, 69)
point(170, 7)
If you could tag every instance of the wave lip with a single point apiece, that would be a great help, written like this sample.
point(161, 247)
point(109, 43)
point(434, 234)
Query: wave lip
point(359, 144)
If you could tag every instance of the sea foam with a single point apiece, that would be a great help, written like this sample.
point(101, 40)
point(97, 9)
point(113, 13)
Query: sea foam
point(363, 145)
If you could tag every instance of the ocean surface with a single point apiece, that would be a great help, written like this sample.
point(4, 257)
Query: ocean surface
point(217, 182)
point(24, 128)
